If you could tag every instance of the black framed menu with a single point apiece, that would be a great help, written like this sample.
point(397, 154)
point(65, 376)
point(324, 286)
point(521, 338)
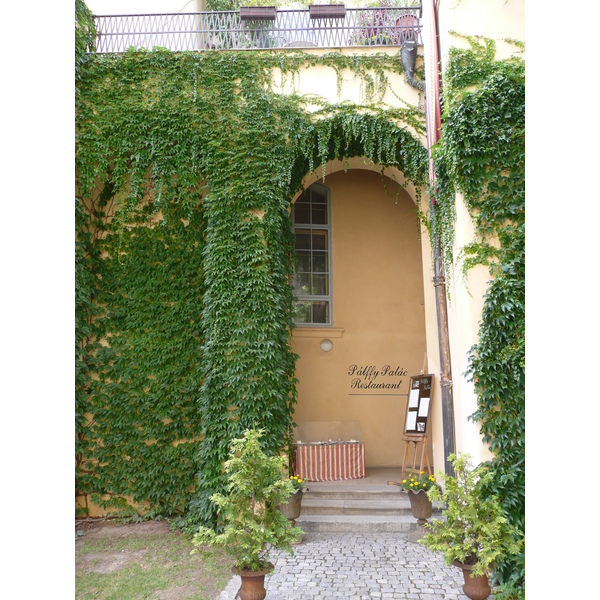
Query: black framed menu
point(418, 405)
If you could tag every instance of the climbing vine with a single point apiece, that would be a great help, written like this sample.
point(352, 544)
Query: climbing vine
point(481, 155)
point(186, 166)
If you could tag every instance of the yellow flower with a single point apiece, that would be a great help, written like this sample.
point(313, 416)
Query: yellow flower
point(404, 481)
point(299, 480)
point(424, 485)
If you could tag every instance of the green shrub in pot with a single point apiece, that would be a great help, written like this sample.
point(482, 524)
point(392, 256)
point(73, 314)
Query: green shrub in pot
point(249, 510)
point(475, 531)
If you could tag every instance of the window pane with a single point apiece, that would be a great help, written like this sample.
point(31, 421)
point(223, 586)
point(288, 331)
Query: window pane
point(303, 239)
point(304, 196)
point(320, 262)
point(319, 240)
point(302, 284)
point(319, 214)
point(312, 276)
point(303, 261)
point(318, 197)
point(319, 287)
point(302, 212)
point(302, 312)
point(320, 312)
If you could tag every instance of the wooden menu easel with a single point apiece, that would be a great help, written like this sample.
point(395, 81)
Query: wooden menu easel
point(415, 424)
point(415, 439)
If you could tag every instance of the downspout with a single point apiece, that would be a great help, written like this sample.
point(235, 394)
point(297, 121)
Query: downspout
point(409, 60)
point(433, 120)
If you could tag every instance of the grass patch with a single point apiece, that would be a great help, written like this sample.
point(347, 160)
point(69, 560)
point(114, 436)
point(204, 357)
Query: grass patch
point(146, 560)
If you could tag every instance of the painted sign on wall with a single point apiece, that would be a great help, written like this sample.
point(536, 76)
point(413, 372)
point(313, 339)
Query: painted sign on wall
point(376, 380)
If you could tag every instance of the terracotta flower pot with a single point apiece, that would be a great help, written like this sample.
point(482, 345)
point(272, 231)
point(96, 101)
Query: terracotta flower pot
point(253, 583)
point(475, 588)
point(291, 508)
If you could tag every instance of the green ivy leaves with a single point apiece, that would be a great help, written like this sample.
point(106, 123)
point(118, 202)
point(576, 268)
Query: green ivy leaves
point(186, 165)
point(481, 154)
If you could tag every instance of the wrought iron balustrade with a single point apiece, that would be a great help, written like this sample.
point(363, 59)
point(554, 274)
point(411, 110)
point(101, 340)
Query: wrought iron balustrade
point(226, 31)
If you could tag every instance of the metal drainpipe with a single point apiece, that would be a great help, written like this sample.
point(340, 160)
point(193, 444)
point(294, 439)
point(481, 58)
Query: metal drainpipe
point(439, 282)
point(409, 57)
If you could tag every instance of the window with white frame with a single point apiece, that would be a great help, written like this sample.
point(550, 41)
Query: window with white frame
point(311, 224)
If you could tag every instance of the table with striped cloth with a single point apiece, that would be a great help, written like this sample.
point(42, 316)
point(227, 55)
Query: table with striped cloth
point(330, 462)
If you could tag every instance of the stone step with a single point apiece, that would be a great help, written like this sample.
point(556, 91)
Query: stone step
point(391, 494)
point(367, 505)
point(401, 524)
point(370, 509)
point(332, 506)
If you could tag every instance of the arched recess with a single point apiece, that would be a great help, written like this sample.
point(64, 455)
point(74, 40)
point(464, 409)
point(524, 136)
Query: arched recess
point(380, 260)
point(361, 163)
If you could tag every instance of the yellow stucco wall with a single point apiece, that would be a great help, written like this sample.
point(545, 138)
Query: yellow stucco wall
point(378, 315)
point(498, 20)
point(383, 295)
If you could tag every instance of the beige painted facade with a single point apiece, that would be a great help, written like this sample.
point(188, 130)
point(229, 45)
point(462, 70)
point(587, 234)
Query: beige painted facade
point(378, 330)
point(383, 301)
point(498, 20)
point(378, 316)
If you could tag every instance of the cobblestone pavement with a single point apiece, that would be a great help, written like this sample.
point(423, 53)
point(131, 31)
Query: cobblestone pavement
point(358, 567)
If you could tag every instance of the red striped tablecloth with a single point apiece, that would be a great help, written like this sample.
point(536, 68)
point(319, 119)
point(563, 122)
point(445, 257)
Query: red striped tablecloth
point(330, 462)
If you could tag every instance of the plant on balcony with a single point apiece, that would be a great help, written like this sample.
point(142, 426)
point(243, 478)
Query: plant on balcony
point(382, 27)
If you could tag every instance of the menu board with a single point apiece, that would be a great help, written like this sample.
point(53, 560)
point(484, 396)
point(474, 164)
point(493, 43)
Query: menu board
point(419, 403)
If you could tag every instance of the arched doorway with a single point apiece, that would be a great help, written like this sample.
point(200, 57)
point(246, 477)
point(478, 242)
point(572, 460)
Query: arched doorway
point(355, 365)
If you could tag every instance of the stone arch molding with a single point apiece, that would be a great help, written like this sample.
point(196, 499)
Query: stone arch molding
point(358, 163)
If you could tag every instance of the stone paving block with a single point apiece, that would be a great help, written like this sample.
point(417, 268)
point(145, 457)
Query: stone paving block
point(329, 566)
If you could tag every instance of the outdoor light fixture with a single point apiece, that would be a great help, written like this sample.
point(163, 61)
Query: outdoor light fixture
point(326, 345)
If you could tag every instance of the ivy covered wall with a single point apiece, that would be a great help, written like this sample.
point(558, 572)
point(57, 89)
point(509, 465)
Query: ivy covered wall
point(186, 167)
point(481, 156)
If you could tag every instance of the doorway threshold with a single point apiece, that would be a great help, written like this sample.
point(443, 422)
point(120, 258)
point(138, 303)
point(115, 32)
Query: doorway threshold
point(376, 479)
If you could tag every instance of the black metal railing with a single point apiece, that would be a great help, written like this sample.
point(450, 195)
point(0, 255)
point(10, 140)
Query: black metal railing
point(227, 31)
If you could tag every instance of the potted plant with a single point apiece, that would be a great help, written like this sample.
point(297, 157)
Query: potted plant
point(420, 504)
point(292, 507)
point(250, 515)
point(475, 532)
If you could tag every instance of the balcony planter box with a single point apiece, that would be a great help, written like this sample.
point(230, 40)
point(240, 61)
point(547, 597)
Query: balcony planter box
point(327, 11)
point(258, 13)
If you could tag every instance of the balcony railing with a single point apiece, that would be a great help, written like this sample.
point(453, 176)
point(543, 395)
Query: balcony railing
point(227, 31)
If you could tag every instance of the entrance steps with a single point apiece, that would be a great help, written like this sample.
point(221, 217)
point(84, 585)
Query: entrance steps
point(366, 505)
